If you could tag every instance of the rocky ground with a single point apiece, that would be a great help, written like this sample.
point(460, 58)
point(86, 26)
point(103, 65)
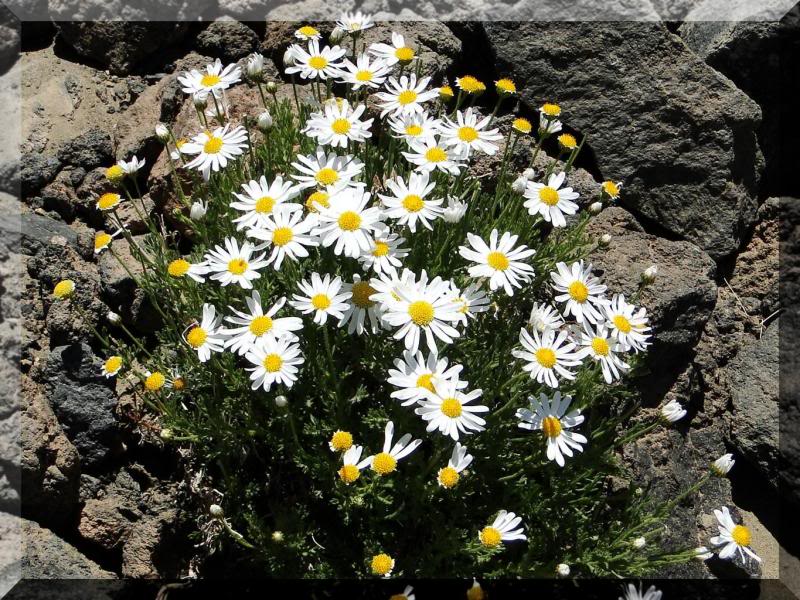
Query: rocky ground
point(679, 113)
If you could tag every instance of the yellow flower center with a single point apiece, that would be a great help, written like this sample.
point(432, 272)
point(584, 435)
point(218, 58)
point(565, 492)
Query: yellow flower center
point(451, 407)
point(108, 200)
point(273, 363)
point(425, 381)
point(611, 188)
point(404, 54)
point(213, 145)
point(435, 155)
point(155, 381)
point(320, 198)
point(361, 294)
point(407, 97)
point(490, 537)
point(578, 291)
point(327, 176)
point(101, 240)
point(546, 358)
point(197, 337)
point(349, 473)
point(446, 92)
point(497, 260)
point(381, 249)
point(548, 195)
point(505, 86)
point(398, 597)
point(567, 140)
point(320, 302)
point(622, 324)
point(237, 266)
point(114, 173)
point(522, 125)
point(421, 313)
point(413, 130)
point(178, 383)
point(113, 364)
point(741, 535)
point(470, 84)
point(265, 204)
point(308, 31)
point(209, 80)
point(600, 346)
point(341, 440)
point(318, 62)
point(260, 325)
point(467, 134)
point(384, 463)
point(180, 143)
point(340, 126)
point(178, 267)
point(413, 203)
point(349, 221)
point(282, 236)
point(364, 76)
point(381, 564)
point(551, 110)
point(448, 477)
point(63, 289)
point(551, 427)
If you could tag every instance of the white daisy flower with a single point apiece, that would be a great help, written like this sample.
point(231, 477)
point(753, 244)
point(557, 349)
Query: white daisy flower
point(416, 126)
point(429, 154)
point(397, 52)
point(276, 362)
point(321, 169)
point(315, 63)
point(580, 290)
point(548, 119)
point(208, 336)
point(455, 210)
point(405, 95)
point(261, 200)
point(448, 476)
point(385, 253)
point(471, 301)
point(181, 267)
point(468, 133)
point(672, 411)
point(548, 355)
point(213, 150)
point(352, 465)
point(631, 593)
point(598, 345)
point(544, 317)
point(360, 307)
point(321, 296)
point(551, 201)
point(233, 264)
point(364, 72)
point(414, 375)
point(387, 284)
point(307, 33)
point(449, 411)
point(255, 325)
point(353, 22)
point(338, 125)
point(504, 528)
point(628, 324)
point(214, 78)
point(423, 307)
point(551, 417)
point(111, 366)
point(288, 234)
point(347, 224)
point(722, 466)
point(385, 462)
point(132, 166)
point(732, 537)
point(102, 240)
point(499, 261)
point(409, 202)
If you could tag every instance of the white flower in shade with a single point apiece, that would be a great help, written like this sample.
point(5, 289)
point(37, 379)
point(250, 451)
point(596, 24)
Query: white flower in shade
point(338, 125)
point(322, 297)
point(360, 307)
point(132, 166)
point(455, 210)
point(469, 132)
point(449, 409)
point(255, 325)
point(261, 200)
point(551, 417)
point(562, 570)
point(544, 317)
point(672, 411)
point(500, 261)
point(213, 150)
point(307, 33)
point(422, 307)
point(215, 77)
point(347, 224)
point(315, 63)
point(409, 202)
point(364, 72)
point(397, 52)
point(632, 593)
point(598, 345)
point(207, 336)
point(722, 466)
point(385, 462)
point(111, 366)
point(287, 234)
point(504, 528)
point(355, 21)
point(551, 201)
point(414, 375)
point(181, 267)
point(385, 253)
point(405, 95)
point(448, 476)
point(732, 537)
point(580, 290)
point(416, 126)
point(233, 264)
point(471, 301)
point(321, 169)
point(627, 323)
point(548, 355)
point(352, 465)
point(276, 362)
point(429, 154)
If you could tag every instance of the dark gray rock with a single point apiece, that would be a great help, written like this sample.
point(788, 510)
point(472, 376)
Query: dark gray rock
point(38, 230)
point(227, 40)
point(9, 39)
point(680, 135)
point(36, 171)
point(89, 150)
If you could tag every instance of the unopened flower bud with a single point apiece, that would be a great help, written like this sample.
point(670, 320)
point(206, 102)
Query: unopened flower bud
point(595, 208)
point(562, 570)
point(605, 239)
point(281, 401)
point(200, 101)
point(288, 57)
point(639, 543)
point(272, 87)
point(649, 275)
point(255, 66)
point(529, 174)
point(673, 411)
point(113, 318)
point(518, 186)
point(166, 434)
point(722, 466)
point(198, 210)
point(337, 35)
point(277, 537)
point(702, 553)
point(162, 132)
point(455, 211)
point(216, 512)
point(265, 122)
